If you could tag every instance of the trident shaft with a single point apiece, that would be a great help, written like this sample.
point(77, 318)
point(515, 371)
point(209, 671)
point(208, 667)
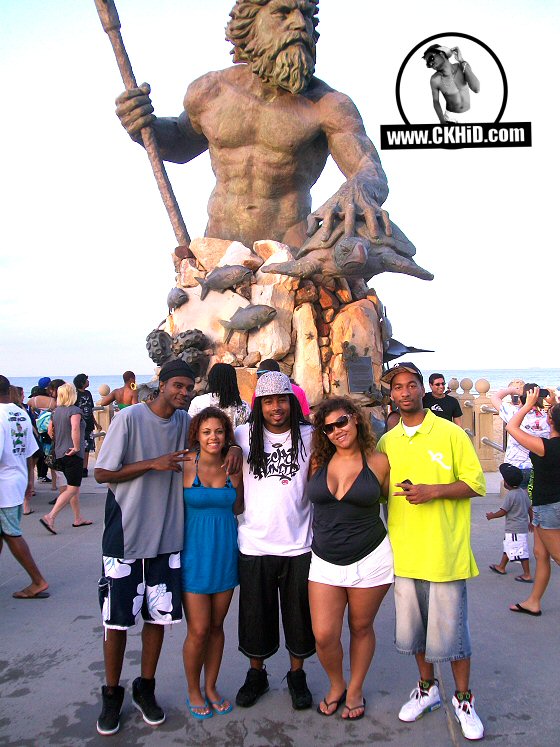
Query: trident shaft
point(111, 25)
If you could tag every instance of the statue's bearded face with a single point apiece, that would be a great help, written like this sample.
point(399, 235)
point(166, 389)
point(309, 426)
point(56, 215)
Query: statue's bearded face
point(280, 44)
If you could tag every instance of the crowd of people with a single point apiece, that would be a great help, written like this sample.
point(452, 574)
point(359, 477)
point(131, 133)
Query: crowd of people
point(208, 493)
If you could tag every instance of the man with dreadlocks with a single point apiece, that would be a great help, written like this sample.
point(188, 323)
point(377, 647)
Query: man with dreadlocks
point(269, 125)
point(275, 538)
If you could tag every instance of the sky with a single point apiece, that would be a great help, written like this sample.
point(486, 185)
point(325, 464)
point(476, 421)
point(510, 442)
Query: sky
point(85, 242)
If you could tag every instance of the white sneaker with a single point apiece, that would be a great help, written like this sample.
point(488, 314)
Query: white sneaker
point(421, 702)
point(470, 724)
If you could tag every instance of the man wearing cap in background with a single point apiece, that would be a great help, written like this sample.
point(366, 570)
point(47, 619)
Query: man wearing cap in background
point(141, 460)
point(440, 403)
point(434, 473)
point(275, 538)
point(452, 80)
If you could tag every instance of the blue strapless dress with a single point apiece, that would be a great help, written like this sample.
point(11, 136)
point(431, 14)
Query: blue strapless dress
point(210, 550)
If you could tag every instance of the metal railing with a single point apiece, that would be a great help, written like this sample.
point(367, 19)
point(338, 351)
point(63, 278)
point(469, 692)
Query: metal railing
point(488, 442)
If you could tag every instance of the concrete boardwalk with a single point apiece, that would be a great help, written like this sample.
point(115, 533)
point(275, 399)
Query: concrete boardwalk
point(51, 665)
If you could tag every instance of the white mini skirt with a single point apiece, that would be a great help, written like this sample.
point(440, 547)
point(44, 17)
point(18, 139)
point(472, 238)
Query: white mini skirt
point(376, 569)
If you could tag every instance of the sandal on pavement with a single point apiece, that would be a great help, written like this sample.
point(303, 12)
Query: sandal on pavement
point(519, 608)
point(361, 708)
point(23, 594)
point(338, 703)
point(524, 580)
point(500, 573)
point(47, 526)
point(195, 711)
point(220, 707)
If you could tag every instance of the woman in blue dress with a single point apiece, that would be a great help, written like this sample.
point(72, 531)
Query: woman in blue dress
point(209, 557)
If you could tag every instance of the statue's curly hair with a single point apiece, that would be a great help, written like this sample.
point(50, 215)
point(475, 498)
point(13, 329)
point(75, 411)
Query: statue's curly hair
point(321, 447)
point(242, 16)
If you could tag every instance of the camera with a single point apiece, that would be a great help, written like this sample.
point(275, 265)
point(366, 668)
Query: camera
point(542, 393)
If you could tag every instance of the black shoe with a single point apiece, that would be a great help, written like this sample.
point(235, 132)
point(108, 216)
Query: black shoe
point(51, 503)
point(144, 699)
point(256, 684)
point(108, 722)
point(45, 479)
point(297, 685)
point(84, 472)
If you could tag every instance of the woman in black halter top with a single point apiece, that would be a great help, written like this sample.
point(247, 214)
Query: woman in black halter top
point(352, 560)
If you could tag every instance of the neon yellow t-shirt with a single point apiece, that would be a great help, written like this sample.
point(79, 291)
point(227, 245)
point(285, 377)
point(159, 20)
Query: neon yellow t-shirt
point(432, 541)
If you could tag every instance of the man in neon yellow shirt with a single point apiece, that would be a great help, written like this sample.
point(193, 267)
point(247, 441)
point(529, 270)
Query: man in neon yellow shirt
point(434, 473)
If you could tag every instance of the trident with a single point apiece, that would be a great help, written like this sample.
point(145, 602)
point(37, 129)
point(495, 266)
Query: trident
point(111, 25)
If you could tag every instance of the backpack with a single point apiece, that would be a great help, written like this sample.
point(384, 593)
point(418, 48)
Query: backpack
point(43, 421)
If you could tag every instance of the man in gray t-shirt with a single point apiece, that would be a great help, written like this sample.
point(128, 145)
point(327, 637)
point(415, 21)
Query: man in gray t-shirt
point(141, 460)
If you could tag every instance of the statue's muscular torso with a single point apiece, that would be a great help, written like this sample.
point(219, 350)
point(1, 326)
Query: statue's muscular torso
point(267, 148)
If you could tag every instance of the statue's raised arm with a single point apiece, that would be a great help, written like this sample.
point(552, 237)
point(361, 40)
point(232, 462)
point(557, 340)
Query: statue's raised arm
point(177, 140)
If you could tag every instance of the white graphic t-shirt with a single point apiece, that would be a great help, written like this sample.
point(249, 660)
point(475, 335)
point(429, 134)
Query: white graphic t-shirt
point(277, 516)
point(17, 443)
point(534, 423)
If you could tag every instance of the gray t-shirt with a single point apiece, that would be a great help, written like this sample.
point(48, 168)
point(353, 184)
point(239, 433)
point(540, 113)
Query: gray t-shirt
point(516, 502)
point(63, 430)
point(144, 517)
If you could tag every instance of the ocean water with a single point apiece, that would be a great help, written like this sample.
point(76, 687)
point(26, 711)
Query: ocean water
point(498, 378)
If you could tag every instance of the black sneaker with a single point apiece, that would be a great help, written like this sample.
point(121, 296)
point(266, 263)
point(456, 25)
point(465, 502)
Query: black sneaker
point(144, 699)
point(45, 479)
point(109, 719)
point(297, 685)
point(256, 684)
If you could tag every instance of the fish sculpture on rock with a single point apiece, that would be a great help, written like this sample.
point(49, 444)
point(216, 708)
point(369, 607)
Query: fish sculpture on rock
point(176, 298)
point(222, 278)
point(250, 317)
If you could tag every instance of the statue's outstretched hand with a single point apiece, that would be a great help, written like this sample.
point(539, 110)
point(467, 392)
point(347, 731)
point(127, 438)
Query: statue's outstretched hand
point(134, 109)
point(355, 200)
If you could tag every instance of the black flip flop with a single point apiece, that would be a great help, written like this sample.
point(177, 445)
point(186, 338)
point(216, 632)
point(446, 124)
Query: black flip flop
point(47, 527)
point(519, 608)
point(356, 718)
point(38, 595)
point(524, 580)
point(338, 703)
point(493, 568)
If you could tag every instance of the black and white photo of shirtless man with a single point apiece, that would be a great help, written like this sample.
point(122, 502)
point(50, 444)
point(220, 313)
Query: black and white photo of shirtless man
point(453, 80)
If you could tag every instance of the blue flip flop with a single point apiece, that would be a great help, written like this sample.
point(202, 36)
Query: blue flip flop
point(221, 711)
point(200, 716)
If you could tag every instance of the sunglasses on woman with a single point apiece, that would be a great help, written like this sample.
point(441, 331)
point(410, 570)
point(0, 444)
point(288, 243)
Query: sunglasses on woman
point(340, 422)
